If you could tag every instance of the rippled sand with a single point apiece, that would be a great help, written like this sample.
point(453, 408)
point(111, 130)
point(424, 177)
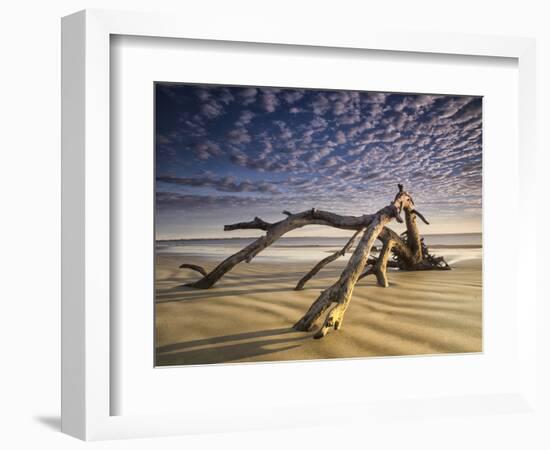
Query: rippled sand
point(248, 315)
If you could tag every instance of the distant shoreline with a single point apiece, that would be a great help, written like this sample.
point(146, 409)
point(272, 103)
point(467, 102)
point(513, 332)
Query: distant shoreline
point(236, 238)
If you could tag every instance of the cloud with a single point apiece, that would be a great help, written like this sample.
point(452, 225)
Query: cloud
point(293, 96)
point(207, 149)
point(225, 96)
point(468, 112)
point(285, 131)
point(211, 109)
point(173, 201)
point(247, 95)
point(320, 105)
point(245, 118)
point(203, 94)
point(269, 101)
point(319, 154)
point(333, 147)
point(331, 162)
point(221, 184)
point(341, 137)
point(239, 136)
point(318, 124)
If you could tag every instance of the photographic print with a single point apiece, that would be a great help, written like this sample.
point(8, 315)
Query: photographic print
point(310, 224)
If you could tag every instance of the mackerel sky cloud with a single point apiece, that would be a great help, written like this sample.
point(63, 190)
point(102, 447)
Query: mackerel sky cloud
point(226, 154)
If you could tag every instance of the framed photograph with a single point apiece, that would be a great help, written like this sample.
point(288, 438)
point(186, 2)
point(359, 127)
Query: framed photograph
point(267, 228)
point(224, 151)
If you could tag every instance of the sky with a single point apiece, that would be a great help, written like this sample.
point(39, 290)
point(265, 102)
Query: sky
point(227, 154)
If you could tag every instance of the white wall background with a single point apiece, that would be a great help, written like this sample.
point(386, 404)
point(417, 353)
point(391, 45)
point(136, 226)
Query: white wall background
point(29, 221)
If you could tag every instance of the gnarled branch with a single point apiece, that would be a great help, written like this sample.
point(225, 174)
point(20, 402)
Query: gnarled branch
point(256, 224)
point(379, 267)
point(194, 267)
point(326, 261)
point(274, 232)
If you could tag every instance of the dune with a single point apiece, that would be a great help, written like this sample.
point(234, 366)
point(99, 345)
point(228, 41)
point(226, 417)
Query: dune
point(248, 315)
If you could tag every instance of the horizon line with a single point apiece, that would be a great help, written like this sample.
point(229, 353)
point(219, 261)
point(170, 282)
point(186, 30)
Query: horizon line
point(288, 237)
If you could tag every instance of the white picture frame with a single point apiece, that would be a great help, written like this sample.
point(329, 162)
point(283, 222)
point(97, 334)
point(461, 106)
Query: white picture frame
point(86, 284)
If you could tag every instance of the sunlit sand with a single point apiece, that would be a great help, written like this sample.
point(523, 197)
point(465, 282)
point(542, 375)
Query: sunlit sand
point(248, 315)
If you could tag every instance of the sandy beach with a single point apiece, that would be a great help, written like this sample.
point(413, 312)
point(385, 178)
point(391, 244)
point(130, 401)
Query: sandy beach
point(248, 315)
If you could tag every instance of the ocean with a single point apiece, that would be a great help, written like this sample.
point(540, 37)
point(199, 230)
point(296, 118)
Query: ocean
point(454, 247)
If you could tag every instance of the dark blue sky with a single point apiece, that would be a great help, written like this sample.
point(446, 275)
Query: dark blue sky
point(226, 154)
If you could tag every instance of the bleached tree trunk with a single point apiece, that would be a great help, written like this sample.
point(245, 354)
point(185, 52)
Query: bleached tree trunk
point(340, 293)
point(413, 236)
point(326, 261)
point(379, 266)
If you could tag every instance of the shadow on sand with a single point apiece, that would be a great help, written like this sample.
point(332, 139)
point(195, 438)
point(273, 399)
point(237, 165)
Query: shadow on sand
point(186, 353)
point(185, 293)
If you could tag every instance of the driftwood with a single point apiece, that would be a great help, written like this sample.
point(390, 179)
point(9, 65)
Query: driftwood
point(196, 268)
point(273, 232)
point(340, 292)
point(326, 261)
point(408, 250)
point(379, 266)
point(409, 253)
